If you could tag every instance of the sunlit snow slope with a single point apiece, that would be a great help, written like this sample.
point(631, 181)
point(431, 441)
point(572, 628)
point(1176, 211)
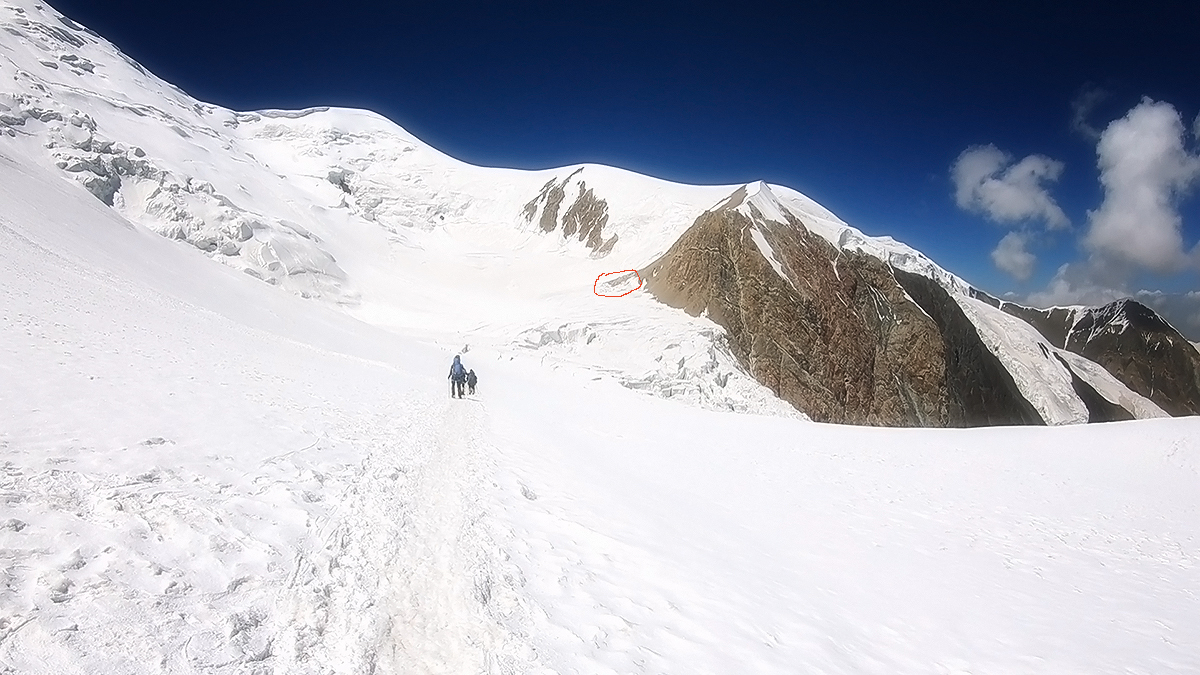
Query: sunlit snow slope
point(204, 475)
point(345, 207)
point(201, 471)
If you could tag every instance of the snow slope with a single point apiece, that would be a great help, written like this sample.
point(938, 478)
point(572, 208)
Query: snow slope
point(270, 194)
point(723, 543)
point(346, 207)
point(202, 474)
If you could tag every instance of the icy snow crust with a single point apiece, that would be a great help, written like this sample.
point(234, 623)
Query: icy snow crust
point(200, 472)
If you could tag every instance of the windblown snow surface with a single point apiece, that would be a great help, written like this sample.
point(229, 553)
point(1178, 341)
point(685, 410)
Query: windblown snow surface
point(202, 471)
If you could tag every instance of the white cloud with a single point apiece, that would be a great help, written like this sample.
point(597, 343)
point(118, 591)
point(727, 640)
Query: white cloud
point(1147, 165)
point(1144, 168)
point(1081, 109)
point(987, 181)
point(1181, 310)
point(1012, 257)
point(1074, 284)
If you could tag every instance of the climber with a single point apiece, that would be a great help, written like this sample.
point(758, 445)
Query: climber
point(458, 375)
point(471, 381)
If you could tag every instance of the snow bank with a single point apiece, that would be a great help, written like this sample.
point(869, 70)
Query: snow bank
point(659, 538)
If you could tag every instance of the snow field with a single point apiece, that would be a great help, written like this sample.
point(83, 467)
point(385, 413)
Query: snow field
point(183, 492)
point(205, 474)
point(408, 577)
point(200, 472)
point(667, 539)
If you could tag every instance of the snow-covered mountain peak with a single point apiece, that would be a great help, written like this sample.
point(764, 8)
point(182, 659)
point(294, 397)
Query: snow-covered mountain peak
point(757, 202)
point(272, 192)
point(1114, 319)
point(347, 207)
point(761, 203)
point(49, 55)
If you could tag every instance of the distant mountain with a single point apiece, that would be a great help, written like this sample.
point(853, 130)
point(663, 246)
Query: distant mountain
point(780, 299)
point(1131, 341)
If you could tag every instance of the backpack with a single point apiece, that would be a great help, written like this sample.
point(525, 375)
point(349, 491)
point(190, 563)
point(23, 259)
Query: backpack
point(458, 371)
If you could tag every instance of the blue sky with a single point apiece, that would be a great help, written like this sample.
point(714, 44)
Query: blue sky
point(863, 106)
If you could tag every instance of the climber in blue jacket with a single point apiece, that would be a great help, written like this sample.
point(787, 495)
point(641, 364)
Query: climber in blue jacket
point(458, 377)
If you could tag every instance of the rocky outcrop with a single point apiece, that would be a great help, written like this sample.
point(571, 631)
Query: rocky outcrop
point(829, 331)
point(981, 390)
point(583, 219)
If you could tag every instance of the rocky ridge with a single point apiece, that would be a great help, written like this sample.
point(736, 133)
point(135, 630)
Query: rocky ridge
point(984, 391)
point(584, 217)
point(1142, 350)
point(846, 334)
point(1130, 340)
point(829, 331)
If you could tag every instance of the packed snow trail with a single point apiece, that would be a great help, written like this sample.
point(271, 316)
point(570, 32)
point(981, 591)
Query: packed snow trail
point(412, 543)
point(395, 571)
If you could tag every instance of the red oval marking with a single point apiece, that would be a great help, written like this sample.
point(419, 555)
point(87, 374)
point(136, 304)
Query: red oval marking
point(596, 290)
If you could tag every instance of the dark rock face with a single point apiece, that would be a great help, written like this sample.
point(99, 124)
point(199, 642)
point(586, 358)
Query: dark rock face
point(981, 390)
point(838, 338)
point(1142, 350)
point(1099, 408)
point(845, 338)
point(989, 299)
point(1132, 342)
point(585, 218)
